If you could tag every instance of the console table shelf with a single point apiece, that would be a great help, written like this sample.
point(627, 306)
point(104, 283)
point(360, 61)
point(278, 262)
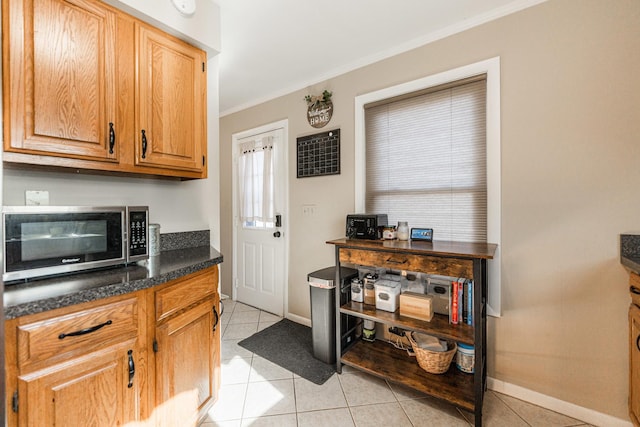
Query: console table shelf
point(455, 259)
point(439, 325)
point(385, 361)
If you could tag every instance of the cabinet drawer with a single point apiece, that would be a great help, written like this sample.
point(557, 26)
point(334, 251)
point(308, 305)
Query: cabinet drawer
point(454, 267)
point(634, 288)
point(77, 333)
point(185, 293)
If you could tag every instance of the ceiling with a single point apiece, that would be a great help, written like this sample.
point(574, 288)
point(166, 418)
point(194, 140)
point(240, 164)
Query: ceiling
point(271, 48)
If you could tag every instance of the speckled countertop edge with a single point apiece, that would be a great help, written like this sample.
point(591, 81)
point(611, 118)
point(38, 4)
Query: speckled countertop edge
point(90, 286)
point(630, 251)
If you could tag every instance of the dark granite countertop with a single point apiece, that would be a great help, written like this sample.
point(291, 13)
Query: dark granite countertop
point(47, 294)
point(630, 251)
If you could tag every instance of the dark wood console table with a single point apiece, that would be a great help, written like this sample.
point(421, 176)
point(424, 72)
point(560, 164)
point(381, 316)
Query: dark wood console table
point(455, 259)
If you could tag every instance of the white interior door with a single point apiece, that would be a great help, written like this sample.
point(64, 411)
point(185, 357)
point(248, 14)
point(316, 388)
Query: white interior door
point(260, 246)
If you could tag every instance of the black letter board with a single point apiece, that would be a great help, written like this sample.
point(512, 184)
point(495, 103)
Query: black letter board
point(318, 154)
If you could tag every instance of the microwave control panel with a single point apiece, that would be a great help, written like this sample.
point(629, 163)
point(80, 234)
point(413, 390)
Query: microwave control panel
point(138, 233)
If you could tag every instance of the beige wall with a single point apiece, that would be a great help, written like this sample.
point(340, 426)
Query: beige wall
point(570, 177)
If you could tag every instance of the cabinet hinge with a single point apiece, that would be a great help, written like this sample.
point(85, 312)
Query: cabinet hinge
point(155, 346)
point(14, 402)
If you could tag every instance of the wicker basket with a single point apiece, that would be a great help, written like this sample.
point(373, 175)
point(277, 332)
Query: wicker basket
point(434, 362)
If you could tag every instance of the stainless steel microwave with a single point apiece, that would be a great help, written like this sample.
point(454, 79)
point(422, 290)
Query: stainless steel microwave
point(50, 240)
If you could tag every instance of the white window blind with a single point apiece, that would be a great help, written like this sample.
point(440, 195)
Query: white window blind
point(426, 160)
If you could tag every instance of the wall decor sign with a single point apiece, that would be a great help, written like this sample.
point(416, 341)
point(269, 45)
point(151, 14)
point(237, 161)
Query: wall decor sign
point(318, 154)
point(319, 109)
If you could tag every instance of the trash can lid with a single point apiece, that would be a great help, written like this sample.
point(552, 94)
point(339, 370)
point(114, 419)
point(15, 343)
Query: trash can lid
point(329, 273)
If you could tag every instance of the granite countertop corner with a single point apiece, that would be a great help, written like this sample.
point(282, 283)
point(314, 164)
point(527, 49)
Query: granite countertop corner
point(630, 251)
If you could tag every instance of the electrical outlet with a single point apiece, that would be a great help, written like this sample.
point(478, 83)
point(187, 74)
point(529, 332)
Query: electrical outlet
point(308, 210)
point(36, 198)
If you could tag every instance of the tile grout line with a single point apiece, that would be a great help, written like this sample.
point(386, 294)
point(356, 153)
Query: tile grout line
point(511, 409)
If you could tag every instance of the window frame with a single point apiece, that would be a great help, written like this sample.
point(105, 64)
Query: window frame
point(490, 67)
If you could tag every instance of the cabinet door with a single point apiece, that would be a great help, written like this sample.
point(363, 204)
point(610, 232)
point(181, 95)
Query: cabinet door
point(187, 363)
point(92, 390)
point(60, 84)
point(634, 364)
point(171, 125)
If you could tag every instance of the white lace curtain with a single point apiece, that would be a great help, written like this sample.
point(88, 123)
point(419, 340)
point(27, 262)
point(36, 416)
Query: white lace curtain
point(256, 180)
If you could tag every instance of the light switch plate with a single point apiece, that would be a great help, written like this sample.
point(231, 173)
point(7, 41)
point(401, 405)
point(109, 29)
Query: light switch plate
point(36, 198)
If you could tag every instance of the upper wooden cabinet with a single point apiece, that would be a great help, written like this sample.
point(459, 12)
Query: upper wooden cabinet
point(171, 90)
point(82, 80)
point(61, 78)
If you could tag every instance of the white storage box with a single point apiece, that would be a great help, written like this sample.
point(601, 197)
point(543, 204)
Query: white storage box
point(387, 295)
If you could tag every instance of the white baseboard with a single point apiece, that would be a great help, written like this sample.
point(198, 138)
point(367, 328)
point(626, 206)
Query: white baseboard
point(569, 409)
point(299, 319)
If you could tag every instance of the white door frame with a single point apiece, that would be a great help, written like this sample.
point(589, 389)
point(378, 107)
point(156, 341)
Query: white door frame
point(284, 125)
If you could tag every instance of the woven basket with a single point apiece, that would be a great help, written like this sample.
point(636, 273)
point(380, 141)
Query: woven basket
point(434, 362)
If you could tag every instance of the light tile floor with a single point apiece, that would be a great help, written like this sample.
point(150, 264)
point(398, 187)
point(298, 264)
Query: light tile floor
point(257, 393)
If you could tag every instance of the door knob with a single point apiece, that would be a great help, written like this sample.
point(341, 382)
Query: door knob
point(276, 234)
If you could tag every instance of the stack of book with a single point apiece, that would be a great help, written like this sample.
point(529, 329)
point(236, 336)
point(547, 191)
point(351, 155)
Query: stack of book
point(461, 302)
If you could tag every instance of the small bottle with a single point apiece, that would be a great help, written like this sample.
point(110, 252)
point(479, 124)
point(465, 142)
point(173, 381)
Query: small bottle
point(369, 330)
point(403, 230)
point(369, 294)
point(356, 290)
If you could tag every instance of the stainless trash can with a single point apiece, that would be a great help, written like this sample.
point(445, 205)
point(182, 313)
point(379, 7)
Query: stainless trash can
point(322, 291)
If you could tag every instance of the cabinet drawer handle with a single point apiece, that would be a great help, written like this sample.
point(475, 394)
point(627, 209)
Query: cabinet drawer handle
point(634, 290)
point(221, 308)
point(85, 331)
point(393, 261)
point(144, 144)
point(112, 138)
point(215, 324)
point(132, 368)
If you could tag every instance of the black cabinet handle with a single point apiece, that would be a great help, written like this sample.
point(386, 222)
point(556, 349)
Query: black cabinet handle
point(221, 308)
point(85, 331)
point(112, 138)
point(144, 144)
point(215, 324)
point(638, 343)
point(132, 369)
point(634, 290)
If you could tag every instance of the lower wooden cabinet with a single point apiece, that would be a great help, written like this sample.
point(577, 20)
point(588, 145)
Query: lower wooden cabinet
point(187, 351)
point(634, 364)
point(93, 390)
point(185, 366)
point(114, 362)
point(634, 350)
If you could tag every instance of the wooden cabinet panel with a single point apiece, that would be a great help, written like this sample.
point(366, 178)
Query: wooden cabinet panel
point(185, 362)
point(172, 299)
point(634, 364)
point(60, 337)
point(61, 82)
point(171, 99)
point(87, 391)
